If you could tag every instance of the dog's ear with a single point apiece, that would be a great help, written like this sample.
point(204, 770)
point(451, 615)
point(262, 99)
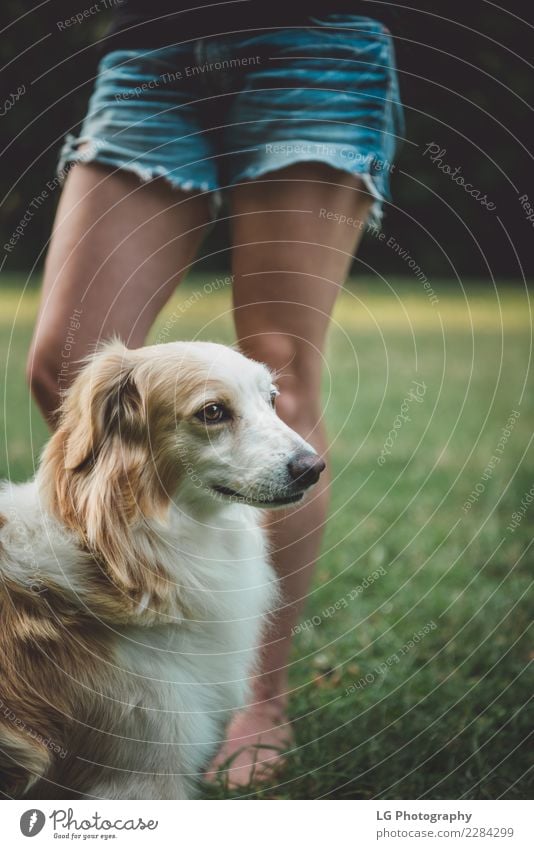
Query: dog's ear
point(104, 403)
point(106, 471)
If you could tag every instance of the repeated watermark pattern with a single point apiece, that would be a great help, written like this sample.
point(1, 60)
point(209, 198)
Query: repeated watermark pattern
point(89, 12)
point(527, 208)
point(367, 162)
point(340, 604)
point(185, 305)
point(416, 393)
point(408, 257)
point(380, 670)
point(519, 514)
point(493, 462)
point(63, 377)
point(395, 246)
point(389, 242)
point(12, 99)
point(436, 154)
point(12, 717)
point(46, 192)
point(171, 77)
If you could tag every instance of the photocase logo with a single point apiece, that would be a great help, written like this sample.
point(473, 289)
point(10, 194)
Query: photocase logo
point(32, 822)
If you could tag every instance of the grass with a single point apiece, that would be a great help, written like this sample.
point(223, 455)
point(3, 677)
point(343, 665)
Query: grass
point(375, 715)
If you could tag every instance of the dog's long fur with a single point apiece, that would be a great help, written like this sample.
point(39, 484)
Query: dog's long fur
point(132, 595)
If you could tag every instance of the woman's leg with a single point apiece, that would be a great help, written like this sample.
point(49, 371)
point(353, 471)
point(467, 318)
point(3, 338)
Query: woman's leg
point(289, 260)
point(118, 250)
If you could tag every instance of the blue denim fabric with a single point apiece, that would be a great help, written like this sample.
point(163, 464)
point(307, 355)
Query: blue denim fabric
point(215, 112)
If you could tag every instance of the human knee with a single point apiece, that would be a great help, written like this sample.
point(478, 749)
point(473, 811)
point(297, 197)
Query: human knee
point(43, 374)
point(296, 369)
point(299, 410)
point(277, 350)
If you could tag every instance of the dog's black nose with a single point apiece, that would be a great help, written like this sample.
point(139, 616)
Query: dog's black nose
point(305, 468)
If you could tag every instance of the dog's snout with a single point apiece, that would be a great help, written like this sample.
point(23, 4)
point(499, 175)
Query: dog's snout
point(305, 468)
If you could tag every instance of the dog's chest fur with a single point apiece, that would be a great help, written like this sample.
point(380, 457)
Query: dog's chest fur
point(191, 676)
point(139, 705)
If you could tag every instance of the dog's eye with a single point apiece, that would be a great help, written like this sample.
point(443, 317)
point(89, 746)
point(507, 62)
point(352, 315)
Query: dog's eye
point(274, 394)
point(213, 414)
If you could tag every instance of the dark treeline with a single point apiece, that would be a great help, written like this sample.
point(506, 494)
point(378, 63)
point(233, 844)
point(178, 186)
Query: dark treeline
point(466, 84)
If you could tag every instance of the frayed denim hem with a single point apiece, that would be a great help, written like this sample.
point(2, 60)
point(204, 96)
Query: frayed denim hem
point(340, 157)
point(85, 149)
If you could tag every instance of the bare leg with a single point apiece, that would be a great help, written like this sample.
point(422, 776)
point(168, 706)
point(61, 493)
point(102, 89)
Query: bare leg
point(118, 250)
point(288, 268)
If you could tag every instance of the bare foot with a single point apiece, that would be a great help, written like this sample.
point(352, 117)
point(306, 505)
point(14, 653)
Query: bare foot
point(255, 743)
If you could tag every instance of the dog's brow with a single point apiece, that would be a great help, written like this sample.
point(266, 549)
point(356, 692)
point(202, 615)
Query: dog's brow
point(216, 396)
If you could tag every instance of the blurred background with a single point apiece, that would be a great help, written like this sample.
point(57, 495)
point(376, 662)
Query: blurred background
point(465, 86)
point(411, 675)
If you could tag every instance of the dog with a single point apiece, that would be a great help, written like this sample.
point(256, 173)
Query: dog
point(134, 572)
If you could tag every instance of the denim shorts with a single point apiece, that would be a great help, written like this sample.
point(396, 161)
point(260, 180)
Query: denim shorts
point(213, 113)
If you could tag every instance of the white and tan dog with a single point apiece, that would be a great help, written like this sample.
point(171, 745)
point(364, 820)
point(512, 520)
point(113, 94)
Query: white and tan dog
point(134, 578)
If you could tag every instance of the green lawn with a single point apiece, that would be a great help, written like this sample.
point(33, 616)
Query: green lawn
point(375, 715)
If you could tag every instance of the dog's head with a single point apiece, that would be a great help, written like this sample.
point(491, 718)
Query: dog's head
point(188, 420)
point(226, 439)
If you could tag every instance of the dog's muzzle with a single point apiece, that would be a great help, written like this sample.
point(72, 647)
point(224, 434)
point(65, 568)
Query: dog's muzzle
point(305, 469)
